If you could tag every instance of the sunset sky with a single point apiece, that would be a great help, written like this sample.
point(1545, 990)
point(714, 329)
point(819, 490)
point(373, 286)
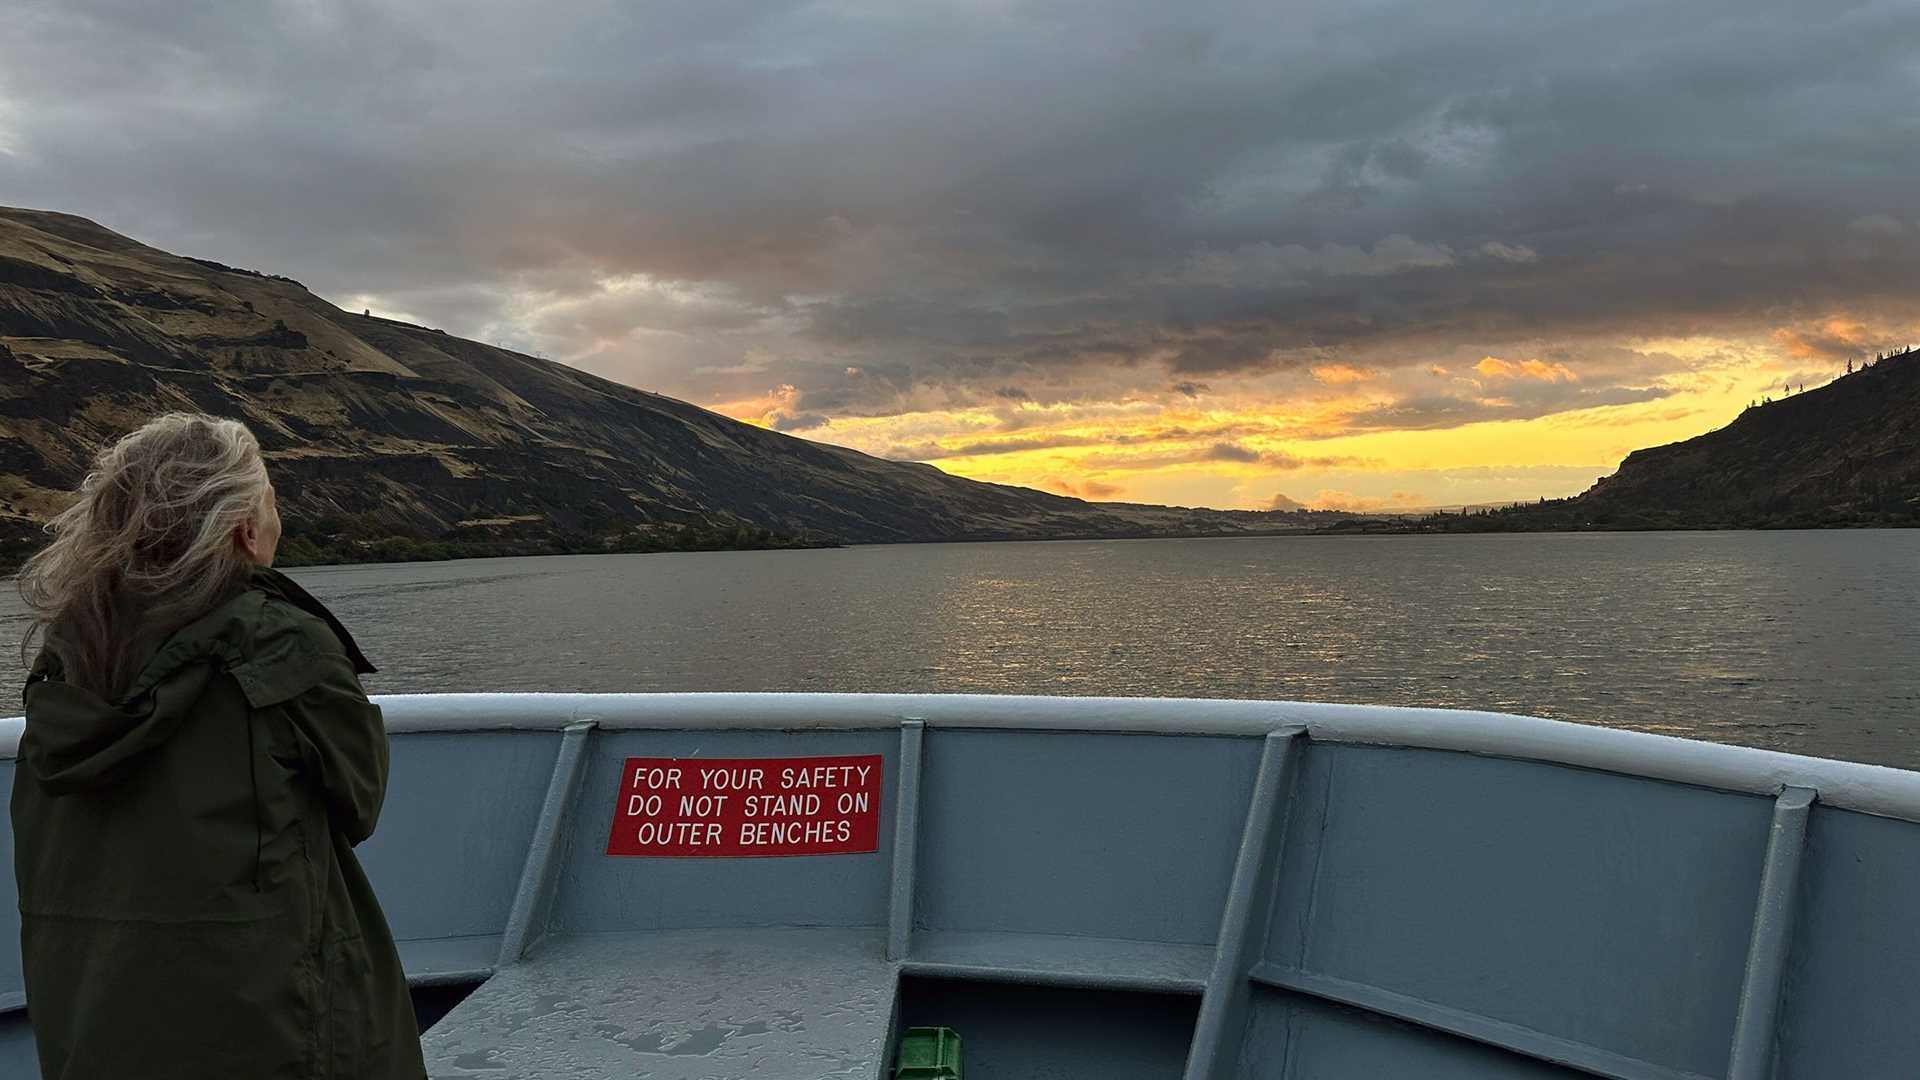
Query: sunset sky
point(1362, 254)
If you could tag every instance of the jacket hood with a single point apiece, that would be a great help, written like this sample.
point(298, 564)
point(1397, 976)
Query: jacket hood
point(266, 638)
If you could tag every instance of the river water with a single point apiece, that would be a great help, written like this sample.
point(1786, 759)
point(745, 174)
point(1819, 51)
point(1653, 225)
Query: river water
point(1799, 641)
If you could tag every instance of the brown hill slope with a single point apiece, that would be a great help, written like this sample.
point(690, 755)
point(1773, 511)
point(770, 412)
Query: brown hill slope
point(1843, 454)
point(388, 439)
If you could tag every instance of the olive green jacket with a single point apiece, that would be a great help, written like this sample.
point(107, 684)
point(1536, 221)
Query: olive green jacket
point(190, 903)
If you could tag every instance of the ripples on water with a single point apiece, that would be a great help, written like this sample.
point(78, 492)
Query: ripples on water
point(1801, 641)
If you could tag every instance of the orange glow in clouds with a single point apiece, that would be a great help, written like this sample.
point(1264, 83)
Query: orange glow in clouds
point(1350, 435)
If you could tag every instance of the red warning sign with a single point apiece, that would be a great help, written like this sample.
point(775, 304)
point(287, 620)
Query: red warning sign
point(733, 807)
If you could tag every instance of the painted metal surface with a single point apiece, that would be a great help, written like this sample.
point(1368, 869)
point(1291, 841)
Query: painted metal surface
point(1097, 835)
point(1607, 911)
point(1519, 1041)
point(598, 893)
point(533, 895)
point(1061, 960)
point(452, 838)
point(906, 840)
point(1853, 974)
point(1223, 1014)
point(1850, 785)
point(1291, 1037)
point(1755, 1030)
point(805, 1004)
point(1386, 893)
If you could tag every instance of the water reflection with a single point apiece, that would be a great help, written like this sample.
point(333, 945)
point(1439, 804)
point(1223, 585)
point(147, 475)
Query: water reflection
point(1795, 641)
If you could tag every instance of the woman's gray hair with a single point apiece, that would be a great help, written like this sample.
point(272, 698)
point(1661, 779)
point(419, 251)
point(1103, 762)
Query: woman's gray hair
point(147, 547)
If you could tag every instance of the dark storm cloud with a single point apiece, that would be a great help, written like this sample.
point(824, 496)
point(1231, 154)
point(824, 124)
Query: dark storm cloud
point(1030, 196)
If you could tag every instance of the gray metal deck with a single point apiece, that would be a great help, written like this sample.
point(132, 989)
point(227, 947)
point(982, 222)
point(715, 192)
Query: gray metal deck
point(678, 1005)
point(1254, 890)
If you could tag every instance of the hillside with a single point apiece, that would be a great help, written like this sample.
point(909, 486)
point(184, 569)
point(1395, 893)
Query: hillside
point(389, 440)
point(1843, 454)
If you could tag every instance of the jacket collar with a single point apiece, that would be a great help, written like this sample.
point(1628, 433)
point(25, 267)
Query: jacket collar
point(278, 584)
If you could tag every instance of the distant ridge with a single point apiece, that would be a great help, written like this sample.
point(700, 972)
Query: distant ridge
point(389, 440)
point(1839, 455)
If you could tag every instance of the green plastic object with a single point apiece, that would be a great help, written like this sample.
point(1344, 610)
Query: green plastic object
point(929, 1053)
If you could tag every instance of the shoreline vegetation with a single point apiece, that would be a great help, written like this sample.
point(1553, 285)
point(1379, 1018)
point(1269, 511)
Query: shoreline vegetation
point(402, 549)
point(1568, 515)
point(1546, 516)
point(298, 550)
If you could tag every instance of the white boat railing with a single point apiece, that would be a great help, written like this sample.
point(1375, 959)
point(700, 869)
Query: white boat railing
point(1871, 789)
point(1574, 888)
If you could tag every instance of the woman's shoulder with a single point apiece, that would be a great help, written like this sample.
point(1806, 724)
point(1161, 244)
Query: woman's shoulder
point(272, 607)
point(318, 618)
point(292, 641)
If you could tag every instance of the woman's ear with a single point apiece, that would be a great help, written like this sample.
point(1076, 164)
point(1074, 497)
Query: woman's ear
point(247, 538)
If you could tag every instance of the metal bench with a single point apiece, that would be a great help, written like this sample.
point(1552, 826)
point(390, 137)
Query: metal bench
point(692, 1004)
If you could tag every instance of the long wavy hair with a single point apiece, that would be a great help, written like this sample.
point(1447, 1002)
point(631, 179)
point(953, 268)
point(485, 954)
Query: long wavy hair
point(147, 547)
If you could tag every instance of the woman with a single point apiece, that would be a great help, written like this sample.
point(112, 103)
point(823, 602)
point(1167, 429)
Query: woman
point(199, 760)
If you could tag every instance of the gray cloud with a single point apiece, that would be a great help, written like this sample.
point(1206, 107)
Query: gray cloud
point(1063, 199)
point(1230, 452)
point(930, 451)
point(1274, 459)
point(1521, 403)
point(785, 421)
point(1222, 450)
point(1519, 253)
